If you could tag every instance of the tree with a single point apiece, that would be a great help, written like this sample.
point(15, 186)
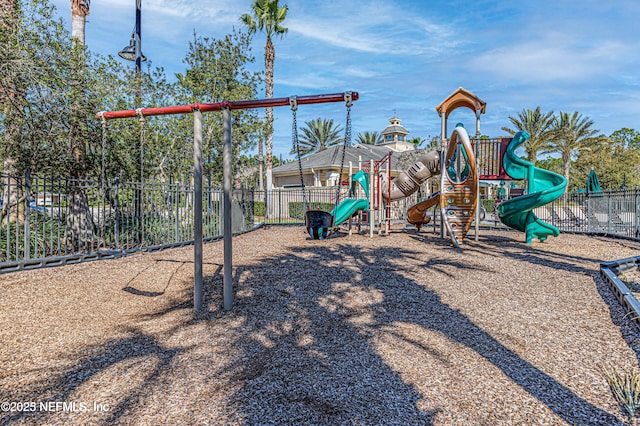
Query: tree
point(260, 163)
point(79, 12)
point(37, 88)
point(10, 102)
point(216, 71)
point(318, 135)
point(267, 16)
point(370, 138)
point(627, 138)
point(417, 141)
point(614, 163)
point(538, 125)
point(553, 164)
point(434, 143)
point(79, 218)
point(572, 134)
point(246, 174)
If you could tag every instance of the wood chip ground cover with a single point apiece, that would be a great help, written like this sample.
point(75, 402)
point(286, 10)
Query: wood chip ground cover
point(402, 329)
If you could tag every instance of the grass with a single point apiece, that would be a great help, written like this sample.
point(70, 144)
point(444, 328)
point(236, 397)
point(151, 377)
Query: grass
point(625, 387)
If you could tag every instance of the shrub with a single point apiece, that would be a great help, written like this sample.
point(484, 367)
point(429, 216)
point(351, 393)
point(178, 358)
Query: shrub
point(296, 208)
point(259, 208)
point(489, 205)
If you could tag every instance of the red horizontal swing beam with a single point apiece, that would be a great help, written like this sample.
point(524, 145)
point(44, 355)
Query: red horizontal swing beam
point(231, 105)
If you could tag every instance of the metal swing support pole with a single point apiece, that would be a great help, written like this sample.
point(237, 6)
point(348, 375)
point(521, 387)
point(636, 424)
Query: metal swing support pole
point(226, 107)
point(197, 209)
point(227, 173)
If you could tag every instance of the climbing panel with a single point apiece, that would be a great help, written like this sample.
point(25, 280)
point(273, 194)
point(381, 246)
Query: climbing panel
point(459, 186)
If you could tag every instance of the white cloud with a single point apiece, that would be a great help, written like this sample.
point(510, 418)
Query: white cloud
point(381, 28)
point(555, 57)
point(331, 34)
point(211, 11)
point(360, 72)
point(312, 81)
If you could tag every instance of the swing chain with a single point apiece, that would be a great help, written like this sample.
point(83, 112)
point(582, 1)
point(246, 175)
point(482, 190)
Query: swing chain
point(104, 147)
point(348, 98)
point(142, 135)
point(293, 101)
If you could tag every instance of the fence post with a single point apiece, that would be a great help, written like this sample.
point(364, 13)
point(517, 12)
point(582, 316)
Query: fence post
point(637, 213)
point(609, 211)
point(253, 208)
point(589, 210)
point(116, 214)
point(27, 215)
point(372, 188)
point(279, 206)
point(177, 197)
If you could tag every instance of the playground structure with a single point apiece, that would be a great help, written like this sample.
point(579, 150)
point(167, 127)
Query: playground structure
point(226, 107)
point(466, 161)
point(458, 200)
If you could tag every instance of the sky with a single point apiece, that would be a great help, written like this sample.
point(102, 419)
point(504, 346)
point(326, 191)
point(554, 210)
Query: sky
point(404, 57)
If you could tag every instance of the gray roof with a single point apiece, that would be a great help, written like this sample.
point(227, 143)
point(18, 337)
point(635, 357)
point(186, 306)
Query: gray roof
point(394, 129)
point(331, 157)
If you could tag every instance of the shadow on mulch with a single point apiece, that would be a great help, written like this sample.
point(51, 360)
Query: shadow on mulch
point(330, 379)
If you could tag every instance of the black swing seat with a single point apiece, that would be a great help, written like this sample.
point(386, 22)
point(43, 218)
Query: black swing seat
point(319, 224)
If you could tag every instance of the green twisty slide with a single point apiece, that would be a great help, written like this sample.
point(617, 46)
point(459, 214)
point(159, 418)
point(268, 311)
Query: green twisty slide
point(350, 206)
point(543, 187)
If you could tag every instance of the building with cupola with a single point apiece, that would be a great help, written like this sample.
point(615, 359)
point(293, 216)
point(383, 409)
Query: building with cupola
point(395, 136)
point(323, 168)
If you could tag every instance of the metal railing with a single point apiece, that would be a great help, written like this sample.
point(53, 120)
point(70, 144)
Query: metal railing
point(611, 212)
point(42, 225)
point(43, 222)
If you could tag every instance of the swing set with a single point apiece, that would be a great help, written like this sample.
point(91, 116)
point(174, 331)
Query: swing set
point(320, 223)
point(226, 107)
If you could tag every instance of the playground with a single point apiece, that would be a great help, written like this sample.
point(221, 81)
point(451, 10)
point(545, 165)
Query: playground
point(404, 329)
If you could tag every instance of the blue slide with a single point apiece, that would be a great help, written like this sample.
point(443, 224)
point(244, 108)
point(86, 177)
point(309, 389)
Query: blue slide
point(544, 186)
point(347, 208)
point(350, 206)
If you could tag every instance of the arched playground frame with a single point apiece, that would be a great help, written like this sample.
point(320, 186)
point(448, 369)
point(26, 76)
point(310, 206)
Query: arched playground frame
point(226, 107)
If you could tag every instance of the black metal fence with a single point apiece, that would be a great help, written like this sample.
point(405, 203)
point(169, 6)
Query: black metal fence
point(612, 212)
point(42, 219)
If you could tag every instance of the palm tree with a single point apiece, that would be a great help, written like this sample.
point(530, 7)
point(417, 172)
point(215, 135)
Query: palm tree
point(79, 220)
point(417, 141)
point(13, 206)
point(538, 125)
point(267, 16)
point(79, 12)
point(572, 133)
point(369, 138)
point(318, 135)
point(260, 162)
